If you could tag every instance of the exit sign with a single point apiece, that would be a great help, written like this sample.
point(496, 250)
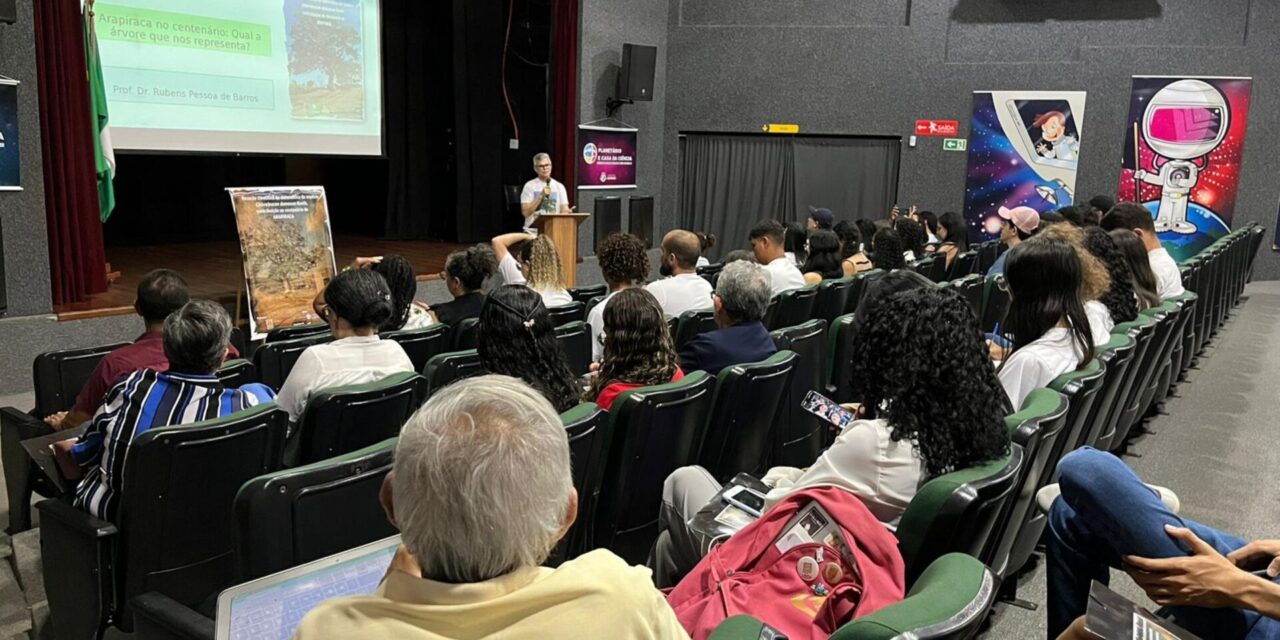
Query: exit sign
point(937, 127)
point(955, 144)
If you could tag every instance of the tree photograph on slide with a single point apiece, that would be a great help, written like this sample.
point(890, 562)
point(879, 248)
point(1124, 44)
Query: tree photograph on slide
point(326, 59)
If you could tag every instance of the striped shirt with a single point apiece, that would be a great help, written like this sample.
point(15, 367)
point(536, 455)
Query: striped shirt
point(142, 401)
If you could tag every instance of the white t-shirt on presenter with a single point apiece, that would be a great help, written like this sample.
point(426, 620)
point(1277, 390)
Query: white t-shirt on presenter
point(550, 204)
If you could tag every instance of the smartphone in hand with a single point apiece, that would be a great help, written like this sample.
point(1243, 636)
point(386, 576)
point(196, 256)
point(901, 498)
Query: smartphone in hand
point(827, 409)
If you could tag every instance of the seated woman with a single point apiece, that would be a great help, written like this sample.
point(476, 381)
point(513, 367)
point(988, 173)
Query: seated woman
point(886, 251)
point(1046, 322)
point(823, 259)
point(1144, 279)
point(1121, 304)
point(464, 274)
point(637, 348)
point(535, 263)
point(516, 339)
point(928, 220)
point(852, 260)
point(408, 313)
point(913, 238)
point(1095, 281)
point(356, 304)
point(954, 236)
point(795, 242)
point(705, 242)
point(932, 405)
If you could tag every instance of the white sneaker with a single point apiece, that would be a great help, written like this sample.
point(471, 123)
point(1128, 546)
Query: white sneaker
point(1049, 493)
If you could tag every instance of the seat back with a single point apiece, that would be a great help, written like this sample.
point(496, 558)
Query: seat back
point(840, 359)
point(421, 344)
point(1081, 388)
point(591, 304)
point(652, 432)
point(574, 339)
point(832, 298)
point(287, 518)
point(950, 599)
point(1116, 355)
point(280, 334)
point(339, 420)
point(448, 367)
point(995, 303)
point(275, 360)
point(802, 435)
point(465, 335)
point(175, 511)
point(583, 294)
point(924, 266)
point(691, 323)
point(566, 313)
point(59, 375)
point(972, 288)
point(1141, 330)
point(1165, 317)
point(861, 282)
point(741, 421)
point(587, 426)
point(937, 271)
point(962, 265)
point(711, 272)
point(793, 307)
point(987, 254)
point(234, 374)
point(956, 512)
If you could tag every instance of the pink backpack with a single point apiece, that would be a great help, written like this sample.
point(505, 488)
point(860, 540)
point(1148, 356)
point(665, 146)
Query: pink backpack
point(809, 590)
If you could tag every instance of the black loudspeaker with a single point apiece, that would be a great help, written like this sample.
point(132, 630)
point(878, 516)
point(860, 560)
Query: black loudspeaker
point(4, 292)
point(635, 78)
point(640, 219)
point(8, 11)
point(607, 216)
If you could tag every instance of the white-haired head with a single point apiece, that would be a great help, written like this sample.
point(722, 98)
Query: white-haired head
point(482, 484)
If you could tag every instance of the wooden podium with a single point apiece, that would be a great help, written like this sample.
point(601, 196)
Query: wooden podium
point(562, 228)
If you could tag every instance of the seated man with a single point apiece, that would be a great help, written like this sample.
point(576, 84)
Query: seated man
point(768, 239)
point(681, 289)
point(477, 517)
point(740, 300)
point(1136, 218)
point(1107, 518)
point(195, 344)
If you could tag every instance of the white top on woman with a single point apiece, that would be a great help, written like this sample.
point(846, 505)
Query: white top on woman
point(511, 274)
point(1037, 364)
point(352, 360)
point(1100, 322)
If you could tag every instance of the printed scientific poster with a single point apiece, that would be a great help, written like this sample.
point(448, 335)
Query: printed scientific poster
point(608, 157)
point(1024, 148)
point(326, 63)
point(1183, 145)
point(287, 249)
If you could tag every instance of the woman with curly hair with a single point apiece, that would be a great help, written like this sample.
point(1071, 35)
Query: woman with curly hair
point(1119, 298)
point(913, 238)
point(852, 260)
point(624, 263)
point(823, 259)
point(516, 339)
point(933, 405)
point(638, 351)
point(1144, 279)
point(886, 250)
point(533, 261)
point(1095, 280)
point(464, 274)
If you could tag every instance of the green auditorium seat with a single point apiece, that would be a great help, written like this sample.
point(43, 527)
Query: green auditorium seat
point(995, 303)
point(791, 308)
point(691, 323)
point(421, 344)
point(236, 373)
point(1116, 355)
point(861, 282)
point(833, 297)
point(280, 334)
point(448, 367)
point(574, 339)
point(800, 435)
point(275, 359)
point(585, 294)
point(339, 420)
point(587, 426)
point(963, 265)
point(566, 313)
point(465, 335)
point(840, 359)
point(744, 410)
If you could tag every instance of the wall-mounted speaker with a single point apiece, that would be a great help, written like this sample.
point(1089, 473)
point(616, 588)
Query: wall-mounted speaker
point(635, 78)
point(607, 216)
point(8, 11)
point(640, 219)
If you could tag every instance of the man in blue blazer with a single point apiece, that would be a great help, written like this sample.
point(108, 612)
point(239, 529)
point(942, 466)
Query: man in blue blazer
point(741, 298)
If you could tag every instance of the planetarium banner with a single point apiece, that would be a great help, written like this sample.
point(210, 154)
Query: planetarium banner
point(1024, 147)
point(607, 158)
point(1183, 145)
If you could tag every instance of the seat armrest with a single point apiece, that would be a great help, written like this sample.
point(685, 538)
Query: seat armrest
point(78, 557)
point(159, 617)
point(75, 520)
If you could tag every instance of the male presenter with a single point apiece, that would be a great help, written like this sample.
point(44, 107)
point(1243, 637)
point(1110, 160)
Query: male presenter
point(542, 194)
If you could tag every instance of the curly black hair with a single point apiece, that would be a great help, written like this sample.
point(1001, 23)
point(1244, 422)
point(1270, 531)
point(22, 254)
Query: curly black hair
point(471, 266)
point(912, 234)
point(850, 238)
point(637, 343)
point(921, 354)
point(887, 250)
point(516, 339)
point(824, 255)
point(361, 297)
point(623, 259)
point(398, 272)
point(1119, 299)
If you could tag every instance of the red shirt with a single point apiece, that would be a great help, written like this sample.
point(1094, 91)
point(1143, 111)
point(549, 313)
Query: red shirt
point(612, 391)
point(147, 352)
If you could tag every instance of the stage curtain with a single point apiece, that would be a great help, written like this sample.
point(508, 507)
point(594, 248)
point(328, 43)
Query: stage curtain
point(727, 183)
point(853, 177)
point(564, 92)
point(77, 259)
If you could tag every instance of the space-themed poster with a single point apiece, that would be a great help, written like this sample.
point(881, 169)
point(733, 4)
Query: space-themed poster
point(1024, 148)
point(1182, 151)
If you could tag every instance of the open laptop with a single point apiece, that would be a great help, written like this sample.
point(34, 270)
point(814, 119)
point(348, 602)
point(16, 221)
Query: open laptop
point(270, 608)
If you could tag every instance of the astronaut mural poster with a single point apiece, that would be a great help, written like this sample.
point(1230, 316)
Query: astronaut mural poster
point(1024, 148)
point(1183, 145)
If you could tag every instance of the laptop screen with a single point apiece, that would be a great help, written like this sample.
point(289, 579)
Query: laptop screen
point(272, 607)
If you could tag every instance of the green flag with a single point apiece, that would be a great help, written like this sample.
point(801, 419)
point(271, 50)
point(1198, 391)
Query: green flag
point(103, 154)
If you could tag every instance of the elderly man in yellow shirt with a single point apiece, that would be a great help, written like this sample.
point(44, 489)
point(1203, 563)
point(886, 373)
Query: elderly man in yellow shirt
point(481, 492)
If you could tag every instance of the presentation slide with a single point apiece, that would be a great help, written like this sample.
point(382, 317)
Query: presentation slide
point(245, 76)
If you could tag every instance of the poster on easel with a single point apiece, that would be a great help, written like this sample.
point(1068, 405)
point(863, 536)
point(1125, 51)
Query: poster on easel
point(1024, 150)
point(10, 161)
point(1182, 151)
point(287, 250)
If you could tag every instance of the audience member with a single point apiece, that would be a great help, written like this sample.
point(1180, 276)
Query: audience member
point(740, 300)
point(913, 238)
point(886, 251)
point(1018, 224)
point(1136, 218)
point(481, 492)
point(746, 255)
point(1095, 282)
point(516, 339)
point(637, 348)
point(1051, 217)
point(195, 339)
point(1099, 206)
point(928, 220)
point(1046, 322)
point(159, 293)
point(852, 259)
point(767, 239)
point(535, 263)
point(1135, 253)
point(705, 242)
point(624, 263)
point(1120, 301)
point(796, 241)
point(408, 313)
point(681, 289)
point(820, 218)
point(1072, 214)
point(932, 405)
point(867, 229)
point(823, 259)
point(954, 236)
point(356, 303)
point(887, 285)
point(464, 274)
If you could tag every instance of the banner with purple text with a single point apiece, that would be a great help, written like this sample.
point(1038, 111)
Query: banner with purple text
point(1183, 144)
point(608, 157)
point(1024, 147)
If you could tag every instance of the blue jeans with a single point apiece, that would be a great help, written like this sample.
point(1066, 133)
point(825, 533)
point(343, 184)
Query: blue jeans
point(1106, 513)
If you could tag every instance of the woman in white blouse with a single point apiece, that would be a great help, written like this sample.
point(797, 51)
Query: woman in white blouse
point(532, 261)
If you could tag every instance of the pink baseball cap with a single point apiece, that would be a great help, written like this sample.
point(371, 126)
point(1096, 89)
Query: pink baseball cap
point(1025, 219)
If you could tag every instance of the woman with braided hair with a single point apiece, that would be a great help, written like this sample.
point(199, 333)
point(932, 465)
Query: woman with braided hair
point(516, 339)
point(638, 351)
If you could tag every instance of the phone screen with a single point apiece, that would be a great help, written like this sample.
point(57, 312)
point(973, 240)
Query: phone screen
point(750, 501)
point(826, 408)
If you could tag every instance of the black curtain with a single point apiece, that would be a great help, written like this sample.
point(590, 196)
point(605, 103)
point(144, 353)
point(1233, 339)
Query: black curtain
point(853, 177)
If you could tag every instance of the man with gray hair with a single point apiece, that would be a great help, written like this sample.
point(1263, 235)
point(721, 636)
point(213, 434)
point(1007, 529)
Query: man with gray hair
point(481, 491)
point(196, 340)
point(740, 300)
point(542, 194)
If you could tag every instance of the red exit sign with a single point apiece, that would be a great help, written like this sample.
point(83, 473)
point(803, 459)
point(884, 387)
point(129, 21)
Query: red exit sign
point(948, 128)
